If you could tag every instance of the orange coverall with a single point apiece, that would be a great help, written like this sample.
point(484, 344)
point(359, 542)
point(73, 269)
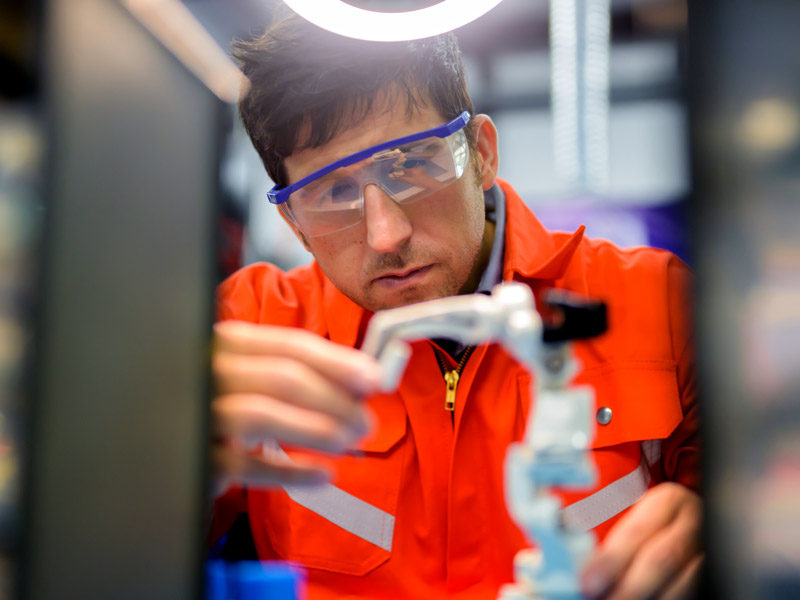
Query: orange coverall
point(423, 498)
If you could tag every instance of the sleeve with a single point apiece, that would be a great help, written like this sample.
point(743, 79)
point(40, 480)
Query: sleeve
point(238, 297)
point(681, 450)
point(227, 509)
point(258, 293)
point(263, 293)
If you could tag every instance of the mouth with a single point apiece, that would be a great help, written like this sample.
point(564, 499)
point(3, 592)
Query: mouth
point(402, 278)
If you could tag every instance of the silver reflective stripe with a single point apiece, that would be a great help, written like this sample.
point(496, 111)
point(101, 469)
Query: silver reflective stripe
point(615, 497)
point(345, 510)
point(652, 451)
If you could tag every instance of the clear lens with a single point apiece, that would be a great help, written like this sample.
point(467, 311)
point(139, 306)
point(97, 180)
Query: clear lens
point(417, 170)
point(330, 203)
point(406, 173)
point(460, 151)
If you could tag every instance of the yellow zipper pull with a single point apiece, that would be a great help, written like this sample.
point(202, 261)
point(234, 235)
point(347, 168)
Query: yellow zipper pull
point(451, 379)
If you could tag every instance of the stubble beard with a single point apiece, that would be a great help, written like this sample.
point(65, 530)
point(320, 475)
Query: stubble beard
point(450, 284)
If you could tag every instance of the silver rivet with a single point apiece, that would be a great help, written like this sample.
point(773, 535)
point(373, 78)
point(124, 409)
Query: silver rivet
point(603, 415)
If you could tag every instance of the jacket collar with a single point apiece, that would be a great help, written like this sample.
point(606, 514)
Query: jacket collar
point(531, 252)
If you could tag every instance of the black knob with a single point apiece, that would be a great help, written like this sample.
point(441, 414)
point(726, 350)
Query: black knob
point(572, 316)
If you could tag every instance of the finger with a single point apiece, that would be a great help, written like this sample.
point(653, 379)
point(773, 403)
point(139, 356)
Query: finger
point(685, 584)
point(232, 466)
point(252, 418)
point(653, 512)
point(661, 558)
point(290, 381)
point(349, 368)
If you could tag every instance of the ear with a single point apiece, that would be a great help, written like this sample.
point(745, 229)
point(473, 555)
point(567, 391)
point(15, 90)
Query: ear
point(486, 140)
point(303, 239)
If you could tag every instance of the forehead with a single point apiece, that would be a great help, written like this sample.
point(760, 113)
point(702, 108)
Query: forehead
point(381, 124)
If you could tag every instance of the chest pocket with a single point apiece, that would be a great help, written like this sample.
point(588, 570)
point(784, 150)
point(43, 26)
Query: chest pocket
point(346, 526)
point(640, 401)
point(641, 405)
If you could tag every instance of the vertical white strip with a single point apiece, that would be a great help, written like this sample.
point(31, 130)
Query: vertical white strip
point(595, 83)
point(564, 89)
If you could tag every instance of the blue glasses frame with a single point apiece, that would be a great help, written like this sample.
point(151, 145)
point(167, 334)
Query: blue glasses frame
point(279, 195)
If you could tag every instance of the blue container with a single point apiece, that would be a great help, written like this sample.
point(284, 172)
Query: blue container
point(253, 580)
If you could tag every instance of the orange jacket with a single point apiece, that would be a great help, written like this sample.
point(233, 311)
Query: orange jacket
point(433, 487)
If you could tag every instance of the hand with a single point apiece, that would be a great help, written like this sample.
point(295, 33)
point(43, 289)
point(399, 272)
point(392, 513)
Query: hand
point(285, 385)
point(653, 552)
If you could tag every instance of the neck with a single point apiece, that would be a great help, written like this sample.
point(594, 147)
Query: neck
point(482, 260)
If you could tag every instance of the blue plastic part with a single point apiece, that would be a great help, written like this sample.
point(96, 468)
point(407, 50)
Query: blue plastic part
point(253, 580)
point(216, 580)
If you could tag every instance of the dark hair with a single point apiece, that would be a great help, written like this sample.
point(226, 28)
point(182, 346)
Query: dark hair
point(301, 75)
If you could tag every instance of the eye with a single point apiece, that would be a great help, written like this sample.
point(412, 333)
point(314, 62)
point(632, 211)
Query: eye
point(410, 163)
point(342, 191)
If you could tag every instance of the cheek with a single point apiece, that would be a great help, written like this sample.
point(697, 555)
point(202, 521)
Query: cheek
point(339, 258)
point(464, 218)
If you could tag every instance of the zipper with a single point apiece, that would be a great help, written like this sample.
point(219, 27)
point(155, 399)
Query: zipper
point(451, 377)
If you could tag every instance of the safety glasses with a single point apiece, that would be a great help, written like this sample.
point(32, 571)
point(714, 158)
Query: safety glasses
point(406, 169)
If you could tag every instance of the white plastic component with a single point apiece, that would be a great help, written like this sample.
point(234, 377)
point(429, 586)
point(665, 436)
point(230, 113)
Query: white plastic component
point(507, 316)
point(559, 429)
point(393, 363)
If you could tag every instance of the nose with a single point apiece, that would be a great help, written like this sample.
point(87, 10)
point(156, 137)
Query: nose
point(388, 226)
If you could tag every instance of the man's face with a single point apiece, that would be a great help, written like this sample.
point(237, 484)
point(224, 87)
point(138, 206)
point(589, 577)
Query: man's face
point(399, 255)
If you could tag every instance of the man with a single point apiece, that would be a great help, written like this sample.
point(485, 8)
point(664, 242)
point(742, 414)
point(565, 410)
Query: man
point(390, 180)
